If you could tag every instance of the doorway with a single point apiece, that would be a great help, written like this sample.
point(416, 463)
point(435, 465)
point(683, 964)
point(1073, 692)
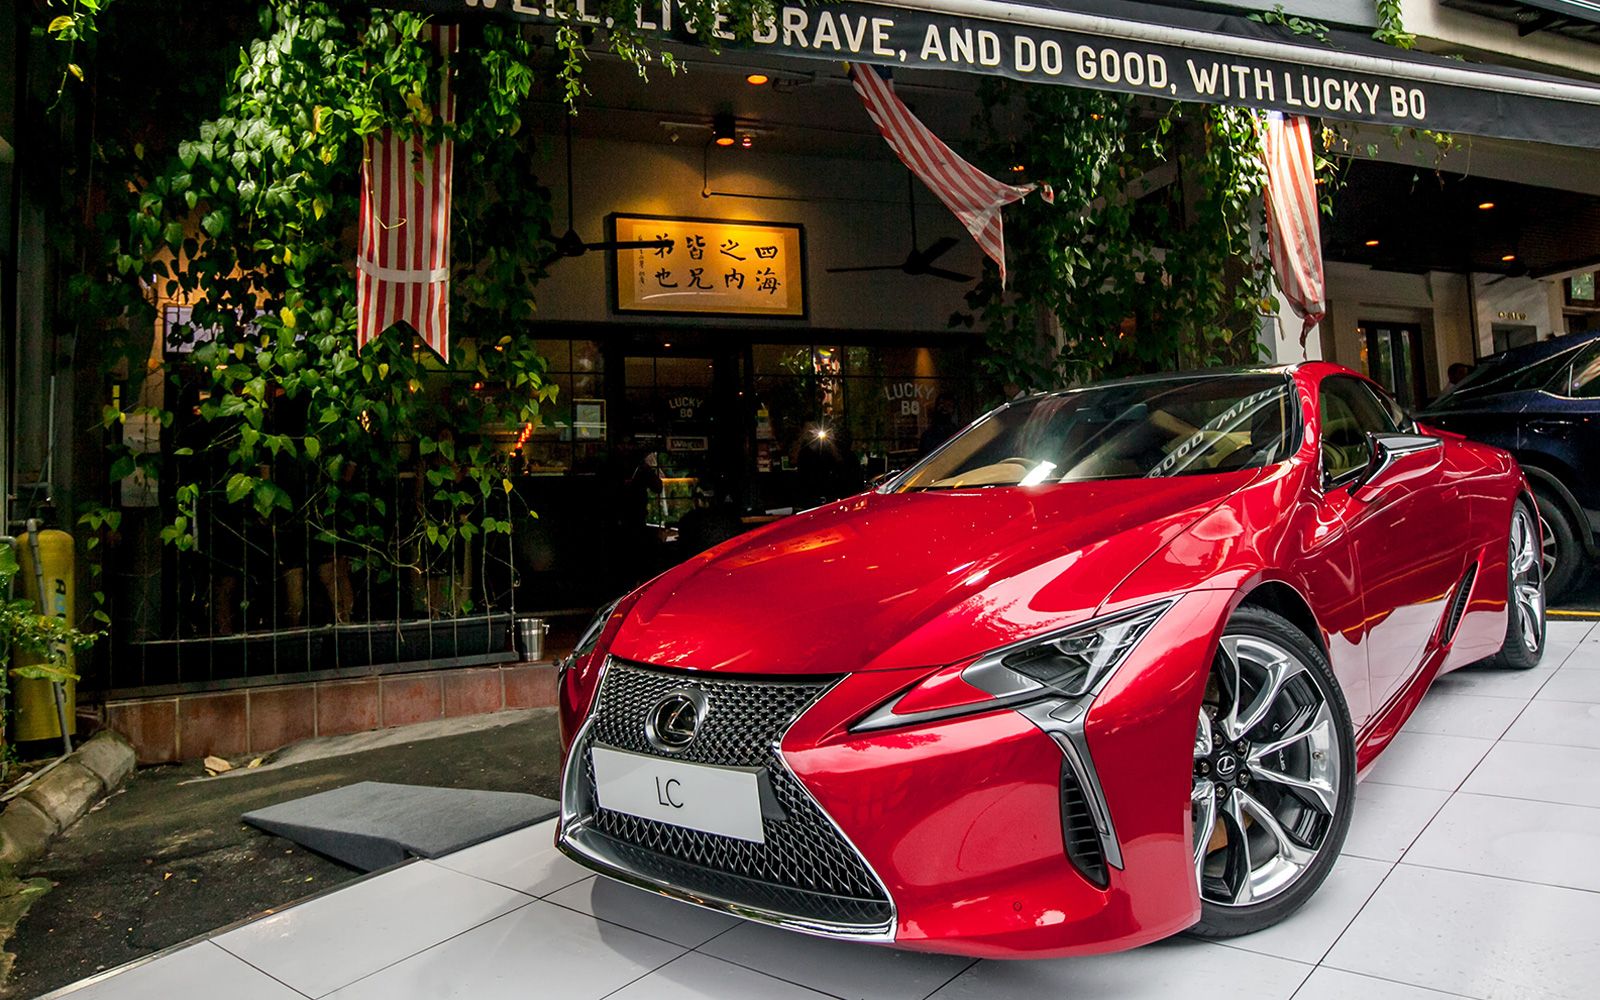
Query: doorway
point(1394, 360)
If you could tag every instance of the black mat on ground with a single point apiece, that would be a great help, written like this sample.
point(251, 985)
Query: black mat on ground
point(372, 824)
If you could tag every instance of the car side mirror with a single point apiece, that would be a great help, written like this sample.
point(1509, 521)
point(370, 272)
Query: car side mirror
point(1396, 459)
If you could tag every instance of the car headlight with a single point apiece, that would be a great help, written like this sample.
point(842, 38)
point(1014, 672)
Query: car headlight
point(589, 637)
point(1071, 663)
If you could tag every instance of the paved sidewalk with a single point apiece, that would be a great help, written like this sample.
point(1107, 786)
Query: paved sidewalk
point(167, 858)
point(1467, 873)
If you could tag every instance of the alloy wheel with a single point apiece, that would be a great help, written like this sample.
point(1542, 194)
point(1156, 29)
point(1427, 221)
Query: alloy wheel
point(1267, 775)
point(1547, 546)
point(1528, 571)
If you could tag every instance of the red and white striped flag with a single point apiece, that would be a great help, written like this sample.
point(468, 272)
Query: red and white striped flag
point(1294, 238)
point(974, 196)
point(403, 265)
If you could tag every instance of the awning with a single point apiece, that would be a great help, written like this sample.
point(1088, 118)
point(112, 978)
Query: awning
point(1157, 51)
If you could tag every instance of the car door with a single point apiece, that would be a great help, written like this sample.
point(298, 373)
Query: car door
point(1560, 429)
point(1409, 540)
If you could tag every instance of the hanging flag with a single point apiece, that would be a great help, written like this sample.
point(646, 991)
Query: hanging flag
point(974, 196)
point(403, 265)
point(1294, 238)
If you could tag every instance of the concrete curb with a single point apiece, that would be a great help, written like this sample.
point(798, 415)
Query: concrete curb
point(60, 798)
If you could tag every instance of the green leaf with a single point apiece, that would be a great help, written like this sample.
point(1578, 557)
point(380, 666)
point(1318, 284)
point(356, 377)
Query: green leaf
point(239, 487)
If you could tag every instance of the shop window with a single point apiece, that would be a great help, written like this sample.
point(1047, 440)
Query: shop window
point(571, 433)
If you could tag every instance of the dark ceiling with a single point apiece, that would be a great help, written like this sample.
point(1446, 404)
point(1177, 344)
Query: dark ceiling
point(1427, 220)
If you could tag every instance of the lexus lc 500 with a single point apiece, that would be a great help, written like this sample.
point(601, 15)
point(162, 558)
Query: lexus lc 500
point(1104, 667)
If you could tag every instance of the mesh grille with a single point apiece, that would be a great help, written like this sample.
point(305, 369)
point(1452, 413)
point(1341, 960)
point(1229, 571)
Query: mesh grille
point(804, 868)
point(1078, 830)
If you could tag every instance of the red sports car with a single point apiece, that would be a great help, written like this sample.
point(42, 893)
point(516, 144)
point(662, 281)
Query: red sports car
point(1103, 668)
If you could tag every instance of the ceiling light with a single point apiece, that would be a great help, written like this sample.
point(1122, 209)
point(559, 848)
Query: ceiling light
point(1372, 243)
point(746, 141)
point(1507, 258)
point(757, 79)
point(722, 129)
point(1018, 168)
point(1485, 205)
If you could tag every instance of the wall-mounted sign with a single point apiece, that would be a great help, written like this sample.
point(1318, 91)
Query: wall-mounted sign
point(715, 267)
point(1506, 314)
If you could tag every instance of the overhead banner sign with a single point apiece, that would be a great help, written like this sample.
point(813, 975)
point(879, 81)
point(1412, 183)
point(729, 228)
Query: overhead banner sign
point(1046, 45)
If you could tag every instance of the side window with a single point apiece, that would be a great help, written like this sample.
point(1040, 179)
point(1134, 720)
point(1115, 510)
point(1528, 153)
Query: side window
point(1586, 373)
point(1349, 412)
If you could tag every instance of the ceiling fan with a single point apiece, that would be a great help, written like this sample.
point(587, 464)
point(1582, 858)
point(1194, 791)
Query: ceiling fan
point(917, 262)
point(570, 244)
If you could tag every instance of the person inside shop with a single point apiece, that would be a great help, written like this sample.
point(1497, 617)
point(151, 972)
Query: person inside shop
point(1456, 373)
point(941, 428)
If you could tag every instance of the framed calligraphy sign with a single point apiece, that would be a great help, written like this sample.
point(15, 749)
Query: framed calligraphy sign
point(715, 267)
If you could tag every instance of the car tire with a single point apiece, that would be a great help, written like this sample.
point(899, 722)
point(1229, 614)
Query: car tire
point(1561, 533)
point(1316, 750)
point(1525, 593)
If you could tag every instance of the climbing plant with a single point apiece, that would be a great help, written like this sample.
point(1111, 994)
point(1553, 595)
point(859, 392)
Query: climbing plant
point(1390, 29)
point(579, 27)
point(250, 223)
point(1147, 257)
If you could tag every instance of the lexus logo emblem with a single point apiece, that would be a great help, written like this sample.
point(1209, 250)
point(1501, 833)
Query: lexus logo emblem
point(675, 720)
point(1226, 766)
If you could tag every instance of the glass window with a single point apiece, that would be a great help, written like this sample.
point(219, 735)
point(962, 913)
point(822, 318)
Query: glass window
point(1350, 410)
point(1123, 430)
point(1586, 373)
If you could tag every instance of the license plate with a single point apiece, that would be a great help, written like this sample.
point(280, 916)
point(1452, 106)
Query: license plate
point(720, 800)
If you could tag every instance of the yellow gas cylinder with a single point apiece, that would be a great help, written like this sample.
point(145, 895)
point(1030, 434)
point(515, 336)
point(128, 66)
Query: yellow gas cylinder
point(33, 700)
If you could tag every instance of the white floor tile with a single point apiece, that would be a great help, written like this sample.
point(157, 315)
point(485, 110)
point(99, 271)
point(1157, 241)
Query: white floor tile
point(1178, 967)
point(1476, 936)
point(648, 912)
point(1513, 838)
point(1424, 760)
point(1564, 723)
point(701, 977)
point(198, 972)
point(540, 950)
point(1584, 656)
point(1388, 818)
point(1557, 630)
point(842, 968)
point(1541, 772)
point(1331, 984)
point(1495, 682)
point(1446, 714)
point(525, 860)
point(1308, 934)
point(338, 938)
point(1572, 685)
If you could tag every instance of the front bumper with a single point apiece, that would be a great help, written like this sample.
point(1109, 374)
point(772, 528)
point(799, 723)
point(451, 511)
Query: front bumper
point(963, 824)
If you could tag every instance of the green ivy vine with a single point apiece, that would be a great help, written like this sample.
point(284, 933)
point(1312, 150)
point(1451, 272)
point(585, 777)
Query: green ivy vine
point(1148, 256)
point(251, 222)
point(1391, 30)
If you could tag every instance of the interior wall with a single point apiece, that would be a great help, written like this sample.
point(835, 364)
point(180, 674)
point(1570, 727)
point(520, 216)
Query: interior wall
point(854, 213)
point(1517, 301)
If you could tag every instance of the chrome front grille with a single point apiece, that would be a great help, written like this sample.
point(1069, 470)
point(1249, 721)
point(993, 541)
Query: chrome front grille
point(805, 874)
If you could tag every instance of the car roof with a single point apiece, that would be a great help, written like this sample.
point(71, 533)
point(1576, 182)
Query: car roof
point(1192, 374)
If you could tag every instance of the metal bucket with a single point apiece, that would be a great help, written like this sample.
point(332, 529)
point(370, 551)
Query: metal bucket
point(530, 637)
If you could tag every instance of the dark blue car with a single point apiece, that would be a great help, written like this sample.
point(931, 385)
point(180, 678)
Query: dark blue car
point(1542, 403)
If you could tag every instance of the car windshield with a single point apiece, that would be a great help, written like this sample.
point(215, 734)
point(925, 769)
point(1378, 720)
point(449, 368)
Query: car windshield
point(1123, 430)
point(1507, 372)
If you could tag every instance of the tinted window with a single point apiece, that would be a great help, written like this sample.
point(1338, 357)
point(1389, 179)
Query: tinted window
point(1127, 430)
point(1349, 411)
point(1498, 374)
point(1586, 373)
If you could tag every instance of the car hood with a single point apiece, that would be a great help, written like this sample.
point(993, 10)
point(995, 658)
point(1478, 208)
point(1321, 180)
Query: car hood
point(887, 581)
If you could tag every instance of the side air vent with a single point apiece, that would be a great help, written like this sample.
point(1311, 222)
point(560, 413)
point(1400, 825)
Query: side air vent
point(1082, 841)
point(1458, 604)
